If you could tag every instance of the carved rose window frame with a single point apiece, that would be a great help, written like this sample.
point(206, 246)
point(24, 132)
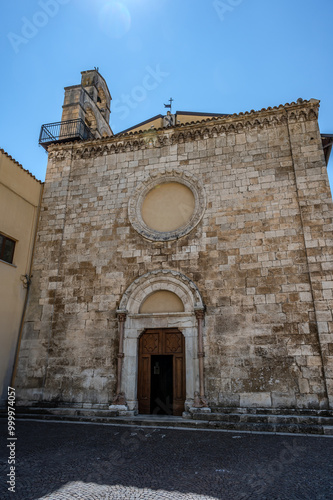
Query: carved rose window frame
point(138, 196)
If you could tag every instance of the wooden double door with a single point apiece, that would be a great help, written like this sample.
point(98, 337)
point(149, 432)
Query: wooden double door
point(161, 372)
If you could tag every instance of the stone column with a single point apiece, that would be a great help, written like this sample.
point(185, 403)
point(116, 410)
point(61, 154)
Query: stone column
point(120, 398)
point(199, 399)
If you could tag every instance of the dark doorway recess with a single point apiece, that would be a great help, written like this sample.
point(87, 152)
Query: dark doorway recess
point(161, 399)
point(161, 372)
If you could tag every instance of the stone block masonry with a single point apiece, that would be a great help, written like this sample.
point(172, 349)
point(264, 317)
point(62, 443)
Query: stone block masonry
point(261, 257)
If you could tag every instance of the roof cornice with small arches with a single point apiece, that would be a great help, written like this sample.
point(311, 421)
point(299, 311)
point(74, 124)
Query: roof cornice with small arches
point(190, 131)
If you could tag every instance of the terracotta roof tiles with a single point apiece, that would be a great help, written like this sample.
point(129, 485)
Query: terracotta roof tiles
point(19, 165)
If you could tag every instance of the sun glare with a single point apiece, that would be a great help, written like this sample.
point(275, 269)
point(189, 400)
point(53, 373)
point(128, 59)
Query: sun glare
point(114, 19)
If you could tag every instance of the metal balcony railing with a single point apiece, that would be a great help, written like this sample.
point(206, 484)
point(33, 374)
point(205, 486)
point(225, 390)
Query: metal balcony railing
point(69, 130)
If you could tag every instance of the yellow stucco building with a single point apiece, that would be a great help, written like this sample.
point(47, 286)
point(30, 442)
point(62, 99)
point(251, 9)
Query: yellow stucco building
point(20, 196)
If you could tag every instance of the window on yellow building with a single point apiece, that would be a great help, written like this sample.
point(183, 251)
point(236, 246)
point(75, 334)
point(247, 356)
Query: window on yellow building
point(7, 247)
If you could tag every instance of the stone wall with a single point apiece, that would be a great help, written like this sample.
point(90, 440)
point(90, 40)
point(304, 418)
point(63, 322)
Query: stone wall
point(260, 257)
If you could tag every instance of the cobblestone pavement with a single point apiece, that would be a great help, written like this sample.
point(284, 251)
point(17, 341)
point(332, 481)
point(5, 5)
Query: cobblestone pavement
point(58, 461)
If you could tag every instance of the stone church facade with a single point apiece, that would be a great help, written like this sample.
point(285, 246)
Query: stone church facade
point(200, 248)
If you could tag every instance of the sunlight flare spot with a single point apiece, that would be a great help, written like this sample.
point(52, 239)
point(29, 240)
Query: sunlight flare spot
point(115, 19)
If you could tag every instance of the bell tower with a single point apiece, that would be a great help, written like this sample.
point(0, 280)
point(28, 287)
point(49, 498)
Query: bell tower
point(85, 112)
point(89, 101)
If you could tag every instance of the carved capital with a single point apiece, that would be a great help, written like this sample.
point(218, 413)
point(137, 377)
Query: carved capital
point(121, 315)
point(199, 314)
point(121, 355)
point(201, 354)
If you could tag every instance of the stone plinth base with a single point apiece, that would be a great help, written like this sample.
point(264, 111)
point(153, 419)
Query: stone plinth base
point(122, 410)
point(192, 410)
point(186, 414)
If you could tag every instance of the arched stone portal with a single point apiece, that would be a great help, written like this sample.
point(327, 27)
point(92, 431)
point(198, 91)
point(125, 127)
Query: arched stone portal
point(132, 324)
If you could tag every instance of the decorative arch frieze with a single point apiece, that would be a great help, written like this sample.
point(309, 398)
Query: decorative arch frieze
point(60, 154)
point(211, 127)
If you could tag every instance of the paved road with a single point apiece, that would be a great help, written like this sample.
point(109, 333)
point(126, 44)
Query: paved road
point(60, 461)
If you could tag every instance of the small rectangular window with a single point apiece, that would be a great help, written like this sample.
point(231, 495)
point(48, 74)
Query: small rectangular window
point(6, 249)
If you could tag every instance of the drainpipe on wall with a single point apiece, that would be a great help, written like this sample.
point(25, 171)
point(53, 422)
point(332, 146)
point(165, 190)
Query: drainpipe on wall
point(26, 284)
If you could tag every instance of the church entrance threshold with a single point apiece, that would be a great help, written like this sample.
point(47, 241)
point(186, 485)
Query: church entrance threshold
point(161, 374)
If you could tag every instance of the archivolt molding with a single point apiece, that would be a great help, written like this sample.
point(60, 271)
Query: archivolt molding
point(154, 281)
point(200, 130)
point(159, 177)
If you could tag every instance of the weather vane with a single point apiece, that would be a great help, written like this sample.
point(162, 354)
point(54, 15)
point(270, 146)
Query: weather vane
point(169, 105)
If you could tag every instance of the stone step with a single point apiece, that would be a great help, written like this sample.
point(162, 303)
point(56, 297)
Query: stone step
point(66, 411)
point(62, 411)
point(242, 425)
point(62, 407)
point(68, 417)
point(274, 411)
point(264, 418)
point(79, 412)
point(288, 412)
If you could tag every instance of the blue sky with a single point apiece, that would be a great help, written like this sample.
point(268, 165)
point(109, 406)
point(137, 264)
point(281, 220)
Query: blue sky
point(223, 56)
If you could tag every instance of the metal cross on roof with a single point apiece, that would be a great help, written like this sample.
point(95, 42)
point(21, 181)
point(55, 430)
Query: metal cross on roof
point(169, 105)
